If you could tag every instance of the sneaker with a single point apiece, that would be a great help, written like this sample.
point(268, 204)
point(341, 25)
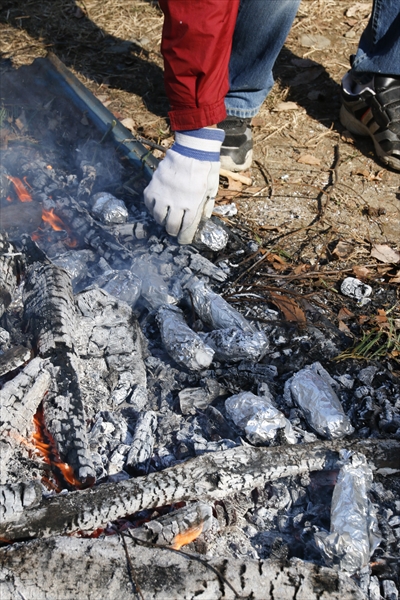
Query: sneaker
point(237, 148)
point(374, 109)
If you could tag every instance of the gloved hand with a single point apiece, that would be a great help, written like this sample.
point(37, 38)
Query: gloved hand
point(184, 186)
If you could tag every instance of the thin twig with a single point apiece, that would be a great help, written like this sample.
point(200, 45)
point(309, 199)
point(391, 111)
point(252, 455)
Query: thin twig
point(131, 570)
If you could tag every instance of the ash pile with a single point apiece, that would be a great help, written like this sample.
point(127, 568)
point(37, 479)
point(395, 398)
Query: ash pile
point(141, 412)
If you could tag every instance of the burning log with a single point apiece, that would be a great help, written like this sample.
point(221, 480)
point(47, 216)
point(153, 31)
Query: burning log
point(72, 568)
point(141, 451)
point(212, 476)
point(50, 311)
point(8, 279)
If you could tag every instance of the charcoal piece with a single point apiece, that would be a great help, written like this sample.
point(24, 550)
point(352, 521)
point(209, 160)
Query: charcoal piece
point(109, 209)
point(169, 529)
point(202, 266)
point(193, 399)
point(8, 271)
point(214, 310)
point(139, 456)
point(49, 307)
point(234, 344)
point(13, 359)
point(182, 343)
point(212, 476)
point(15, 498)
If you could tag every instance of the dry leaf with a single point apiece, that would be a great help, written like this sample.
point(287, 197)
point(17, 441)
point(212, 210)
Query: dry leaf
point(385, 254)
point(289, 308)
point(129, 123)
point(344, 314)
point(343, 327)
point(361, 272)
point(363, 319)
point(308, 159)
point(258, 121)
point(233, 184)
point(283, 106)
point(343, 249)
point(301, 269)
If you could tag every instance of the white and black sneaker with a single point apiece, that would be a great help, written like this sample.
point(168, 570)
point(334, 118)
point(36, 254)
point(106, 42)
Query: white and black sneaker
point(374, 109)
point(237, 148)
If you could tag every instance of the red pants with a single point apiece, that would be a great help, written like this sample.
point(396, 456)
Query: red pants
point(196, 45)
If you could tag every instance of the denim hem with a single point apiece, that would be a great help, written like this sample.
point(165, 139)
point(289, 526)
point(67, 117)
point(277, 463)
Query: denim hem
point(241, 113)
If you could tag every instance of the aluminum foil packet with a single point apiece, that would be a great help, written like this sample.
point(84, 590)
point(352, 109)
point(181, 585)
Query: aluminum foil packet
point(109, 209)
point(233, 344)
point(319, 403)
point(122, 284)
point(212, 235)
point(356, 289)
point(259, 418)
point(213, 309)
point(182, 343)
point(354, 533)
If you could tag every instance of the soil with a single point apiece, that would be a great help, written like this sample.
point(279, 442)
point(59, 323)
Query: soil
point(318, 201)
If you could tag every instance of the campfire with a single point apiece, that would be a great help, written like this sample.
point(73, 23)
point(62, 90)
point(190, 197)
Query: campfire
point(153, 435)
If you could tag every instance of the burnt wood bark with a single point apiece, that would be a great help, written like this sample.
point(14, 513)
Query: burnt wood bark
point(63, 568)
point(16, 497)
point(212, 476)
point(49, 309)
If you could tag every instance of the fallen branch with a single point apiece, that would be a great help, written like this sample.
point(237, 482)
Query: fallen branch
point(212, 476)
point(235, 176)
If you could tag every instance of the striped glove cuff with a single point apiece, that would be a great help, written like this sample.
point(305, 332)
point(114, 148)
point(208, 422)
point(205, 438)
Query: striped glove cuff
point(201, 144)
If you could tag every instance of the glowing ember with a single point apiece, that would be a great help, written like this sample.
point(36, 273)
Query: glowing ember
point(188, 536)
point(45, 445)
point(20, 189)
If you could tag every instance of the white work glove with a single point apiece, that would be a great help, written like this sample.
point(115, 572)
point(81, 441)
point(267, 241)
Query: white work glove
point(184, 186)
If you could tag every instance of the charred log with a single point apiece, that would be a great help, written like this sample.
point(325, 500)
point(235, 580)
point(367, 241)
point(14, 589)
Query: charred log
point(212, 476)
point(71, 568)
point(15, 498)
point(8, 269)
point(13, 359)
point(50, 312)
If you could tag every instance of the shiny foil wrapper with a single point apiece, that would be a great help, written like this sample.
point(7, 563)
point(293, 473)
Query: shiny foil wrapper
point(122, 284)
point(108, 209)
point(211, 235)
point(259, 418)
point(320, 405)
point(234, 344)
point(182, 343)
point(214, 310)
point(354, 533)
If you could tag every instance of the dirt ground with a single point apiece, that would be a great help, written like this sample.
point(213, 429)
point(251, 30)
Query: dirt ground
point(318, 202)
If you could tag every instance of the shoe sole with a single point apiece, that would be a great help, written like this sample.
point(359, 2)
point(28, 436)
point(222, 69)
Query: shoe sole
point(228, 163)
point(355, 126)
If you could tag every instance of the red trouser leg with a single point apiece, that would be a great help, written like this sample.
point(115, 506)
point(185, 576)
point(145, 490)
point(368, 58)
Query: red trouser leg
point(196, 45)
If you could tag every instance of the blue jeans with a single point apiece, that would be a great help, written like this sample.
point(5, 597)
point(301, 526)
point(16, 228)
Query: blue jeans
point(379, 47)
point(261, 30)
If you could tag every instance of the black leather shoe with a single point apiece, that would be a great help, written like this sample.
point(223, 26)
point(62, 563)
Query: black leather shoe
point(375, 111)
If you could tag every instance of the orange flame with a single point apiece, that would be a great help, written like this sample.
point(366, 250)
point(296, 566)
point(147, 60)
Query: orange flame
point(55, 222)
point(21, 190)
point(45, 444)
point(188, 536)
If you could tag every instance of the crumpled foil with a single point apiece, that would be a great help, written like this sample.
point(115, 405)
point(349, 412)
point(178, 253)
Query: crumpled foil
point(354, 533)
point(319, 403)
point(182, 343)
point(259, 418)
point(233, 344)
point(213, 309)
point(109, 209)
point(211, 235)
point(356, 289)
point(122, 284)
point(225, 210)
